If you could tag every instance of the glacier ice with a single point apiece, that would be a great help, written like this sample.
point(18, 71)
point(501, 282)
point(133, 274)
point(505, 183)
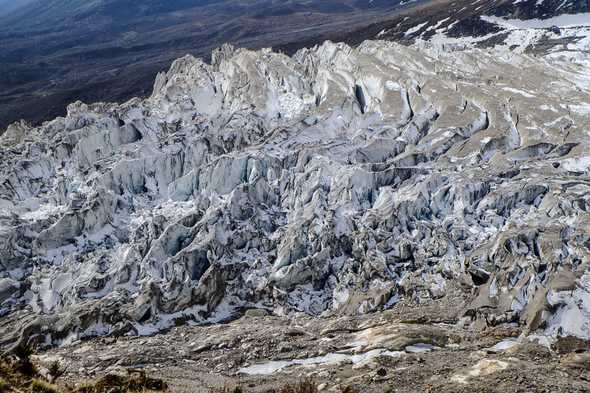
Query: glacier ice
point(337, 180)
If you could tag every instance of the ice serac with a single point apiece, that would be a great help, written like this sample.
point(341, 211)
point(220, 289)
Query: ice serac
point(339, 180)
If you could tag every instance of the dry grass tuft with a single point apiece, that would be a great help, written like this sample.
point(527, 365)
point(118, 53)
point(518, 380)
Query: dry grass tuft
point(12, 377)
point(3, 386)
point(112, 383)
point(38, 386)
point(18, 374)
point(23, 353)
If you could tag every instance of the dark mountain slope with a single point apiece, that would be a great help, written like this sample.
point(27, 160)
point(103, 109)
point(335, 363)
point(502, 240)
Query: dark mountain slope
point(54, 52)
point(529, 9)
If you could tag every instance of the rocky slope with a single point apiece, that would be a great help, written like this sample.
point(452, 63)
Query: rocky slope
point(373, 353)
point(337, 181)
point(532, 26)
point(542, 9)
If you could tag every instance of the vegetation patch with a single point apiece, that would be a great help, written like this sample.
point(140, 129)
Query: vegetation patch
point(38, 386)
point(3, 386)
point(114, 383)
point(19, 374)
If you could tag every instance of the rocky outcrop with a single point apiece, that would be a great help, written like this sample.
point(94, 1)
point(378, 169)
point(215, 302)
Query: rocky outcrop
point(337, 180)
point(540, 9)
point(556, 28)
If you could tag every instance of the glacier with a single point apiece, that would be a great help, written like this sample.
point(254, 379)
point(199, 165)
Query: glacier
point(338, 180)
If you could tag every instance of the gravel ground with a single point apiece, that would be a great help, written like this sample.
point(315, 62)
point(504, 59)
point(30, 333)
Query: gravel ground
point(408, 356)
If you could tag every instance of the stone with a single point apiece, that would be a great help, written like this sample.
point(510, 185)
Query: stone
point(256, 313)
point(295, 332)
point(577, 360)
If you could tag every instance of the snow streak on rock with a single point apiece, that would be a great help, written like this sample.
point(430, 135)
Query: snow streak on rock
point(339, 180)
